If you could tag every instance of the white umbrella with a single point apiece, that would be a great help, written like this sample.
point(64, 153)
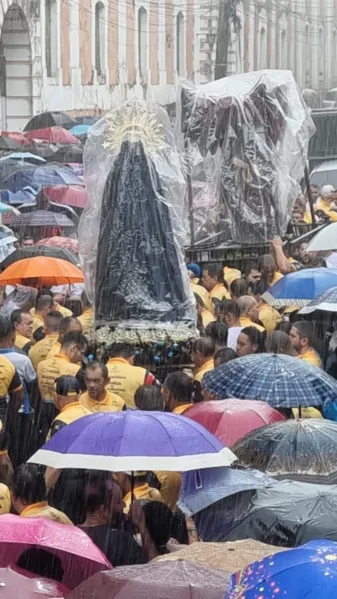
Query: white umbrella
point(325, 240)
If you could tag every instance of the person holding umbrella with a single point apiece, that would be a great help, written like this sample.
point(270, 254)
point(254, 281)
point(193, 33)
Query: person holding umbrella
point(301, 336)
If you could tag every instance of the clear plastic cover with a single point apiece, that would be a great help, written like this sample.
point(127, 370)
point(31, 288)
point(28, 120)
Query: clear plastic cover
point(245, 139)
point(131, 232)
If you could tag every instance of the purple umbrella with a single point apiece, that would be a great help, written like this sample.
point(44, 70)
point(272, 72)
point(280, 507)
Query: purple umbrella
point(134, 440)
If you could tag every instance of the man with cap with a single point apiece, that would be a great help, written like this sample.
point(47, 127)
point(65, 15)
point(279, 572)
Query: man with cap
point(194, 272)
point(325, 202)
point(67, 401)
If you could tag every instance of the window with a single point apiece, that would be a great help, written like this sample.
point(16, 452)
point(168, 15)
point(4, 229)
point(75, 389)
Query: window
point(142, 42)
point(283, 50)
point(99, 38)
point(180, 37)
point(263, 49)
point(51, 37)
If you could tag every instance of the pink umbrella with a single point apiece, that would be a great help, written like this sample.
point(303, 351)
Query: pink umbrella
point(75, 195)
point(79, 555)
point(17, 136)
point(19, 584)
point(60, 242)
point(55, 135)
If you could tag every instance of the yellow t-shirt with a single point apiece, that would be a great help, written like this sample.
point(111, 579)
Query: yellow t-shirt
point(269, 317)
point(49, 370)
point(22, 342)
point(246, 322)
point(312, 357)
point(5, 499)
point(55, 349)
point(40, 350)
point(204, 295)
point(170, 485)
point(142, 492)
point(37, 320)
point(64, 311)
point(87, 319)
point(277, 276)
point(207, 317)
point(9, 378)
point(43, 510)
point(207, 367)
point(231, 274)
point(125, 379)
point(182, 408)
point(110, 403)
point(71, 412)
point(219, 292)
point(326, 208)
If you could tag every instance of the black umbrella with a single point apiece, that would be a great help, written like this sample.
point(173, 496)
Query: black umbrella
point(50, 119)
point(6, 143)
point(302, 450)
point(68, 154)
point(288, 514)
point(40, 250)
point(41, 218)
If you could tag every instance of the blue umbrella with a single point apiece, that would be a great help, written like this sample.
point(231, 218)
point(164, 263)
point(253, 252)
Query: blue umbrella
point(326, 301)
point(299, 288)
point(307, 572)
point(202, 488)
point(80, 129)
point(134, 440)
point(279, 380)
point(23, 156)
point(51, 174)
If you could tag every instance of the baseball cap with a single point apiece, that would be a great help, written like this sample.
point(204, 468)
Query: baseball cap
point(327, 190)
point(195, 268)
point(67, 386)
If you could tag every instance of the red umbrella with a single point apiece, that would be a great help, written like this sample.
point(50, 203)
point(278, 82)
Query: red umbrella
point(16, 583)
point(60, 242)
point(70, 196)
point(231, 419)
point(79, 555)
point(55, 135)
point(17, 136)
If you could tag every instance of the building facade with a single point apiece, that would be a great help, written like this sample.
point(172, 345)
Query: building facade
point(300, 35)
point(88, 55)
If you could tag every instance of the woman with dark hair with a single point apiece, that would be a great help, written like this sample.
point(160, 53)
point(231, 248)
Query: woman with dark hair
point(159, 523)
point(250, 341)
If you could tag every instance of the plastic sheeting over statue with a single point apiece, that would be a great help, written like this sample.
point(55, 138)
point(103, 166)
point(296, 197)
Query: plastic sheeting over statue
point(130, 234)
point(246, 140)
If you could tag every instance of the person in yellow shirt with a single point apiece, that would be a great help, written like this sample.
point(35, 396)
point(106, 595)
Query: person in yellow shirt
point(44, 304)
point(67, 401)
point(60, 294)
point(203, 351)
point(231, 274)
point(141, 489)
point(269, 317)
point(325, 202)
point(69, 324)
point(29, 495)
point(177, 392)
point(194, 272)
point(23, 324)
point(66, 363)
point(213, 281)
point(87, 317)
point(206, 315)
point(39, 351)
point(301, 336)
point(249, 312)
point(267, 268)
point(97, 398)
point(204, 295)
point(124, 378)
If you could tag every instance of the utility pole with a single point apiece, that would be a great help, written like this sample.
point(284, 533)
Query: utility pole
point(223, 37)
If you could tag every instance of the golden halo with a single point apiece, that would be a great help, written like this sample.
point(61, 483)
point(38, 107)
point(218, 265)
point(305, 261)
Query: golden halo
point(135, 123)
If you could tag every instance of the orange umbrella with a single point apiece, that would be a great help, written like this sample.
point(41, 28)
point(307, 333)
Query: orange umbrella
point(41, 271)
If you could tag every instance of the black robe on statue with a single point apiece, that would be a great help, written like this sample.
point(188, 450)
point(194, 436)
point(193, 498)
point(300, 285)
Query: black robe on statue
point(139, 280)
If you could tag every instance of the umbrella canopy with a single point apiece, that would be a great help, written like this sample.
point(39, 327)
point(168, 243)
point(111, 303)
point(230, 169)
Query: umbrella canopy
point(296, 449)
point(23, 157)
point(231, 419)
point(46, 175)
point(6, 143)
point(288, 514)
point(325, 240)
point(134, 440)
point(62, 242)
point(18, 138)
point(40, 250)
point(79, 555)
point(10, 166)
point(42, 218)
point(68, 153)
point(161, 580)
point(70, 196)
point(55, 135)
point(80, 129)
point(202, 488)
point(326, 301)
point(281, 381)
point(17, 583)
point(48, 271)
point(223, 556)
point(299, 288)
point(304, 573)
point(50, 119)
